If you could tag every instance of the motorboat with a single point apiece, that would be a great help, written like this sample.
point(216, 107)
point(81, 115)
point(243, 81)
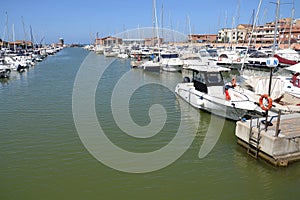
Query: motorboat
point(287, 56)
point(151, 65)
point(4, 70)
point(285, 90)
point(229, 58)
point(111, 51)
point(205, 89)
point(170, 61)
point(292, 84)
point(257, 59)
point(99, 49)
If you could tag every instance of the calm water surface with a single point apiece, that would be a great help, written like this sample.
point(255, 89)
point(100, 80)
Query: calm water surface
point(42, 156)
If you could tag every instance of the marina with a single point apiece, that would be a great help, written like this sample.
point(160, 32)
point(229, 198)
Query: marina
point(166, 111)
point(43, 155)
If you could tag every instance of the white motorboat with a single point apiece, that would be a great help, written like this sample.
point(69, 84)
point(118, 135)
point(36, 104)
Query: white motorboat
point(151, 65)
point(208, 92)
point(292, 84)
point(111, 51)
point(170, 61)
point(4, 70)
point(229, 58)
point(257, 59)
point(99, 49)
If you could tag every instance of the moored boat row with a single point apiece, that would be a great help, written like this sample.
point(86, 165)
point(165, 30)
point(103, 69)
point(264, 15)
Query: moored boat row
point(21, 60)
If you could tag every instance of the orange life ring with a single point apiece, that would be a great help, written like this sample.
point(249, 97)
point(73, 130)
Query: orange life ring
point(238, 60)
point(261, 104)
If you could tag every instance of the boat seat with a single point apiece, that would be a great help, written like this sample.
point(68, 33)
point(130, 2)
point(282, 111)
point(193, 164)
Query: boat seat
point(216, 91)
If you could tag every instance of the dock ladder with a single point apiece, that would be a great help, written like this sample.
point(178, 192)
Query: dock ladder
point(254, 139)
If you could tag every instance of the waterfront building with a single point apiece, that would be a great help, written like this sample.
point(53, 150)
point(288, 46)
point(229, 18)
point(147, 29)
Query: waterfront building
point(153, 41)
point(108, 41)
point(236, 35)
point(262, 34)
point(203, 38)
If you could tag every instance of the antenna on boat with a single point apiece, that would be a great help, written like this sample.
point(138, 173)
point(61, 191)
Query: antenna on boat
point(273, 53)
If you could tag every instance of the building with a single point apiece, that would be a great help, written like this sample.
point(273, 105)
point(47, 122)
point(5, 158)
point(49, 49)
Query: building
point(203, 38)
point(61, 42)
point(108, 41)
point(20, 44)
point(153, 41)
point(237, 35)
point(262, 34)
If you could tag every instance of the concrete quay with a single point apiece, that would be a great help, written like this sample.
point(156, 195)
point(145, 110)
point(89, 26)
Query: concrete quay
point(279, 144)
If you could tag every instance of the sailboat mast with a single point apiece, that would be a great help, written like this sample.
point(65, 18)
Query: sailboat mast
point(13, 35)
point(31, 37)
point(237, 22)
point(153, 19)
point(253, 28)
point(156, 23)
point(5, 29)
point(24, 33)
point(162, 20)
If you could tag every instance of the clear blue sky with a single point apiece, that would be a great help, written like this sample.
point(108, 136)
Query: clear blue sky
point(77, 20)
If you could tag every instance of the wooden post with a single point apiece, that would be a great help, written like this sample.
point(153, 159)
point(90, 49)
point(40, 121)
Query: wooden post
point(278, 124)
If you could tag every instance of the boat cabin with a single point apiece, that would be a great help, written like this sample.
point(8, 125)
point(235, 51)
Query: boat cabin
point(169, 55)
point(209, 80)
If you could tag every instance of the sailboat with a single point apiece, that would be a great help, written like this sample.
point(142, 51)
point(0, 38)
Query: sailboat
point(288, 56)
point(153, 64)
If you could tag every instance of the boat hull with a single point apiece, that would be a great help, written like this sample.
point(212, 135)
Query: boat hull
point(233, 110)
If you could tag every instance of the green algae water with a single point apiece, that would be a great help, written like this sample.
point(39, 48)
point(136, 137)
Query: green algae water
point(43, 157)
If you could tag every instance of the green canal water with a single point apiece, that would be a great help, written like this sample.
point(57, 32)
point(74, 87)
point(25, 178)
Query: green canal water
point(43, 156)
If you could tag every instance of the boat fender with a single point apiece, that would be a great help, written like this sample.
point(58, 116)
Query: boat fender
point(200, 101)
point(269, 102)
point(227, 96)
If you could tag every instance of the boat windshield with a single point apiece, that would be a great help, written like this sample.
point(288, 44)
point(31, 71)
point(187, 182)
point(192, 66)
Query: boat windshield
point(214, 79)
point(169, 56)
point(209, 78)
point(212, 53)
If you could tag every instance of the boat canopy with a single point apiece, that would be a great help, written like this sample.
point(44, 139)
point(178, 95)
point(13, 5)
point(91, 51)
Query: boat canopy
point(208, 68)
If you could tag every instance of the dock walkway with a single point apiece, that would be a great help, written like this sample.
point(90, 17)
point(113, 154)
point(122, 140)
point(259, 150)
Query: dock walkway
point(279, 144)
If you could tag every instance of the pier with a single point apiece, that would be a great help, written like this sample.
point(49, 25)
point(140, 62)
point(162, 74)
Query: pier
point(278, 143)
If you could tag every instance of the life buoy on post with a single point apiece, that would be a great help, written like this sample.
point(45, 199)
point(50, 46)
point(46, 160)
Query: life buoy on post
point(269, 102)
